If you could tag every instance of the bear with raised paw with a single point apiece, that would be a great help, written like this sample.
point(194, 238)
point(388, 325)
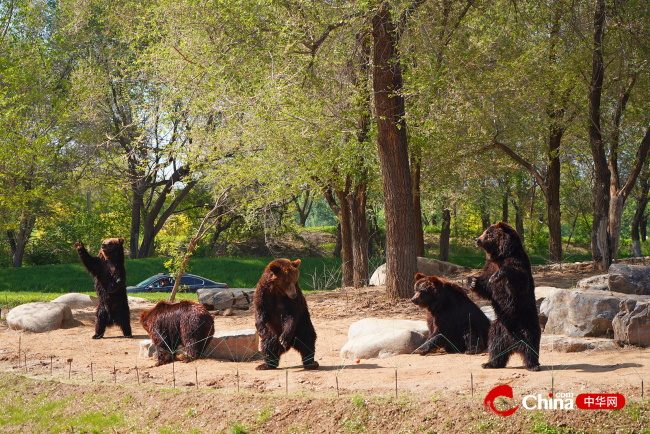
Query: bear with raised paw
point(110, 285)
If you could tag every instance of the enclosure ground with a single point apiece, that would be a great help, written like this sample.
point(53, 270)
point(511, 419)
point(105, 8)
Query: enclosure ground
point(437, 386)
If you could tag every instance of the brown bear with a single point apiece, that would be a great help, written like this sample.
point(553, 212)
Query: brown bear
point(172, 324)
point(507, 282)
point(281, 315)
point(455, 323)
point(110, 285)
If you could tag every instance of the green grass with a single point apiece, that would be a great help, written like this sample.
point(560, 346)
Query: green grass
point(46, 282)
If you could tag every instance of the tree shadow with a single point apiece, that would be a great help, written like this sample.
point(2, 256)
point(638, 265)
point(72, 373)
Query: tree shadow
point(586, 367)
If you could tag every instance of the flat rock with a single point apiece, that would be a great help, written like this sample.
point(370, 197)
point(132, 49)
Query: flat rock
point(235, 345)
point(77, 301)
point(632, 324)
point(379, 338)
point(596, 282)
point(629, 279)
point(40, 317)
point(541, 293)
point(567, 344)
point(583, 312)
point(428, 266)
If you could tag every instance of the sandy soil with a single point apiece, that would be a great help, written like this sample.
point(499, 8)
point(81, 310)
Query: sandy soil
point(115, 359)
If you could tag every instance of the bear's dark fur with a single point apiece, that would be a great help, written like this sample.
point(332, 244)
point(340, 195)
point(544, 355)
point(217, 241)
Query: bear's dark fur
point(110, 285)
point(281, 315)
point(455, 322)
point(172, 324)
point(507, 282)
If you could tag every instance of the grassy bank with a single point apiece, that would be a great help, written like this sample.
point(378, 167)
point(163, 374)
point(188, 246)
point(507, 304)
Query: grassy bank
point(46, 282)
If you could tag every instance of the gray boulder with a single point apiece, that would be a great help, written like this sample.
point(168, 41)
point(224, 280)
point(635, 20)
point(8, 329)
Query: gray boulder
point(599, 282)
point(77, 301)
point(373, 338)
point(583, 312)
point(629, 279)
point(541, 293)
point(428, 266)
point(632, 324)
point(221, 299)
point(40, 317)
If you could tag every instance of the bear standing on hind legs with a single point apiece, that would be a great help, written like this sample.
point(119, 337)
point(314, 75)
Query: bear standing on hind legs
point(110, 285)
point(281, 315)
point(507, 282)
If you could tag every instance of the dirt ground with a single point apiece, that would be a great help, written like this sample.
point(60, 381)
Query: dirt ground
point(114, 358)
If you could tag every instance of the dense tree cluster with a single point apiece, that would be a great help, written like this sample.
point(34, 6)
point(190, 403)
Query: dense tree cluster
point(130, 117)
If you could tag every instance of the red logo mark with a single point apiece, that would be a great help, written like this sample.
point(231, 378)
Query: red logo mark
point(498, 391)
point(600, 401)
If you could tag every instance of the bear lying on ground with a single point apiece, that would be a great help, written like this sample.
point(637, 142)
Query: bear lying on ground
point(507, 282)
point(455, 322)
point(172, 324)
point(281, 315)
point(110, 285)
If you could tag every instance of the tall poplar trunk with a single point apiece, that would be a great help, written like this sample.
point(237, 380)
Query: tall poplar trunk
point(444, 234)
point(553, 211)
point(357, 202)
point(639, 213)
point(346, 239)
point(401, 258)
point(600, 241)
point(417, 206)
point(18, 239)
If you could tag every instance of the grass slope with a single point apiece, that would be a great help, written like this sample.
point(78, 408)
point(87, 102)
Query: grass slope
point(46, 282)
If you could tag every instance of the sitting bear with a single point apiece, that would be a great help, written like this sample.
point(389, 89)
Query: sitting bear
point(507, 282)
point(281, 315)
point(110, 285)
point(455, 322)
point(172, 324)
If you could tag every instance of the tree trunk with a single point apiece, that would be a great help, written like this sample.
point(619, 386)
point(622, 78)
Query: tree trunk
point(644, 228)
point(444, 234)
point(417, 207)
point(642, 200)
point(346, 239)
point(156, 218)
point(553, 211)
point(504, 208)
point(338, 246)
point(305, 209)
point(485, 217)
point(137, 205)
point(357, 202)
point(401, 258)
point(18, 240)
point(600, 241)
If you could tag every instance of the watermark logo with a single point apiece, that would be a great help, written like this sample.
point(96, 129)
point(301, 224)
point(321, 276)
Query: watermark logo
point(559, 401)
point(495, 393)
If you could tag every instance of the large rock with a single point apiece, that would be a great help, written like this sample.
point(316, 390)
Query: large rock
point(379, 338)
point(583, 312)
point(541, 293)
point(221, 299)
point(40, 317)
point(632, 324)
point(629, 279)
point(236, 346)
point(566, 344)
point(428, 266)
point(594, 282)
point(77, 301)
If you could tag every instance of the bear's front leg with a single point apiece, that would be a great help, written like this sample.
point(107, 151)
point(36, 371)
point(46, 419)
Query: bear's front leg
point(271, 351)
point(288, 331)
point(432, 343)
point(91, 263)
point(478, 285)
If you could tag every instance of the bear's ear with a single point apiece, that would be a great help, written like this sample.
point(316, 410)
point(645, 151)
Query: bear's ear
point(120, 240)
point(275, 269)
point(435, 280)
point(419, 276)
point(296, 263)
